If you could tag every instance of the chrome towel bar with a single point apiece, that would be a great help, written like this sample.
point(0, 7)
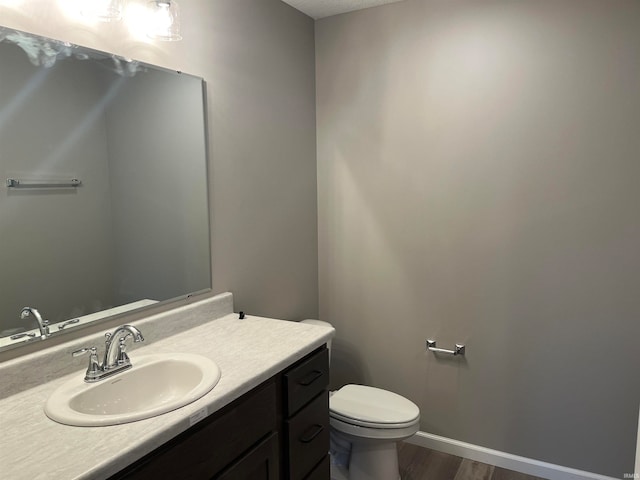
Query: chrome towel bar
point(431, 346)
point(14, 183)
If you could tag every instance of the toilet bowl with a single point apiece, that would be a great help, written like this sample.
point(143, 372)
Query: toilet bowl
point(372, 421)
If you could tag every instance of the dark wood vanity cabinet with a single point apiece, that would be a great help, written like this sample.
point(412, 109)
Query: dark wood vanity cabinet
point(279, 430)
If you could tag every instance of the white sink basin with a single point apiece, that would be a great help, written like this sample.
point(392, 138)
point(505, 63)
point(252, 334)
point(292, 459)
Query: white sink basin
point(156, 384)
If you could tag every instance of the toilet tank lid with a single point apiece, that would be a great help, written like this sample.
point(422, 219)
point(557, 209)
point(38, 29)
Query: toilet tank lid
point(320, 323)
point(373, 405)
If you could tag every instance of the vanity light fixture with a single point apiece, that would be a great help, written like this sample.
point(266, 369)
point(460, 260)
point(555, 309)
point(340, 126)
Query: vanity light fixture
point(164, 20)
point(103, 10)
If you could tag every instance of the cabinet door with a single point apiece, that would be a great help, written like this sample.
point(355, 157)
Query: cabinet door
point(261, 463)
point(209, 446)
point(322, 471)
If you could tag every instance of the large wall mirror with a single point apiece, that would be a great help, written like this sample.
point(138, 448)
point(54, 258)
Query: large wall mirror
point(103, 200)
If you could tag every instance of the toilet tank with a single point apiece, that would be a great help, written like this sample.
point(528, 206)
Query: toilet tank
point(311, 321)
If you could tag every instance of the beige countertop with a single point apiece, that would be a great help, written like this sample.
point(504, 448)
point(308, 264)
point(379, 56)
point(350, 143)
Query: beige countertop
point(248, 352)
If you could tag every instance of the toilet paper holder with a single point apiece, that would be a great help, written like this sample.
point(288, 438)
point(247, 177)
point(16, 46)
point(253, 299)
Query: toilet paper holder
point(459, 350)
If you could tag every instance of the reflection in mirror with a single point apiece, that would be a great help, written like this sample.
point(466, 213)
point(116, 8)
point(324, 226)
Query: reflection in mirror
point(103, 201)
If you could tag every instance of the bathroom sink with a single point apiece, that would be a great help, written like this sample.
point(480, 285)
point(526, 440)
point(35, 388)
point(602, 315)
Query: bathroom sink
point(154, 385)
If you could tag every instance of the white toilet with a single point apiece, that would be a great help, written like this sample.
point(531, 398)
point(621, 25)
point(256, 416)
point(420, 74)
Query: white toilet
point(372, 421)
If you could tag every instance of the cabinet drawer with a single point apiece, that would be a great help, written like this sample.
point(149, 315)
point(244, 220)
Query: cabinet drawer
point(307, 436)
point(322, 471)
point(306, 380)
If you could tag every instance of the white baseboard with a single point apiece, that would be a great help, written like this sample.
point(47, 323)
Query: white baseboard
point(501, 459)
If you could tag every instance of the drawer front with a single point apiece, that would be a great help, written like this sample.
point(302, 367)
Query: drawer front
point(307, 436)
point(306, 380)
point(322, 471)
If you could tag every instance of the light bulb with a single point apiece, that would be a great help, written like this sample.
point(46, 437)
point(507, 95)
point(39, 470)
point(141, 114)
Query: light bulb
point(164, 20)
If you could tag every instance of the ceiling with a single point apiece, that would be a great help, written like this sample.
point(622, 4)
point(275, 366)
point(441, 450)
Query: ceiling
point(325, 8)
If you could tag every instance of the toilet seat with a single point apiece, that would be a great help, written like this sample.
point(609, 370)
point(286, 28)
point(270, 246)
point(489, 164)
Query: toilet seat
point(368, 434)
point(372, 408)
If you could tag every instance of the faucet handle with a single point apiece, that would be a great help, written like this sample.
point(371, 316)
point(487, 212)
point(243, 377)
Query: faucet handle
point(84, 350)
point(93, 370)
point(123, 358)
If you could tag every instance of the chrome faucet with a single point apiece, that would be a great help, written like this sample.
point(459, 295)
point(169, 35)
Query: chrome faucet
point(115, 355)
point(43, 325)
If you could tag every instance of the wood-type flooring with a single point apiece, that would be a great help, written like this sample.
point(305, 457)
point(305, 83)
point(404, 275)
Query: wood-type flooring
point(418, 463)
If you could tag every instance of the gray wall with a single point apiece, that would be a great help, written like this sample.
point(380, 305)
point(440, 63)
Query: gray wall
point(263, 157)
point(478, 183)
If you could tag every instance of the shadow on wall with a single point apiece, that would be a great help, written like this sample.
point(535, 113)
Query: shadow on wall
point(347, 366)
